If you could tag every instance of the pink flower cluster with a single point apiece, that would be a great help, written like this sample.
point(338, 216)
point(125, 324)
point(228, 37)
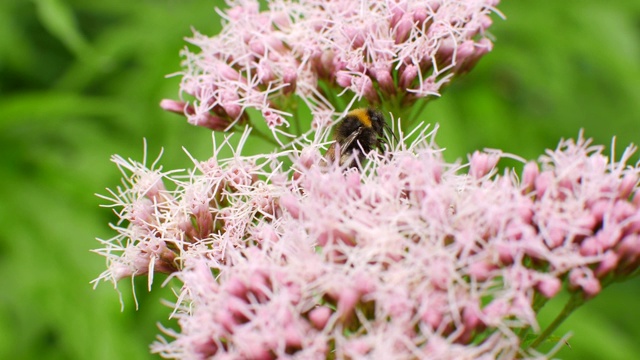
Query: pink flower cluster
point(411, 257)
point(405, 49)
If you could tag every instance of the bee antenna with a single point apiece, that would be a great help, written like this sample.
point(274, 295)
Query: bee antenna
point(390, 130)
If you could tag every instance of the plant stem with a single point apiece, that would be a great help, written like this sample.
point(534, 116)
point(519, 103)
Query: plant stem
point(576, 300)
point(255, 131)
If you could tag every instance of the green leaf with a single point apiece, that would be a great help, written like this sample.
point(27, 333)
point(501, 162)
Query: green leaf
point(58, 18)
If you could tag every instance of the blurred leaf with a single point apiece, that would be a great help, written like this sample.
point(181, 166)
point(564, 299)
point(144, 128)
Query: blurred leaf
point(15, 50)
point(59, 19)
point(48, 106)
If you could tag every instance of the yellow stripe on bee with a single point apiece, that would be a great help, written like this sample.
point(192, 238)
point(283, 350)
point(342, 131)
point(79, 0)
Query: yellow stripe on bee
point(362, 115)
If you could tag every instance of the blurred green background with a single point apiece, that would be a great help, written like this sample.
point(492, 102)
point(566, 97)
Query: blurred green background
point(81, 80)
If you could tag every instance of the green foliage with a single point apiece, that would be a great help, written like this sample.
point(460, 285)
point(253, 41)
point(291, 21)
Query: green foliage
point(556, 67)
point(81, 80)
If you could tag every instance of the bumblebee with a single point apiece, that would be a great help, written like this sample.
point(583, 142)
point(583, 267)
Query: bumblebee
point(361, 130)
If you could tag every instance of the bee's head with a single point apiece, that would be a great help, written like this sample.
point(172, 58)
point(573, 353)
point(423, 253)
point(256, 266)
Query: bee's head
point(380, 126)
point(377, 122)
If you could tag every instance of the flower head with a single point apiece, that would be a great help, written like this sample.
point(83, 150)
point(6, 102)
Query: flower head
point(314, 50)
point(410, 255)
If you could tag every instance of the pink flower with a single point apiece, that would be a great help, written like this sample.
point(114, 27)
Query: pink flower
point(409, 256)
point(317, 49)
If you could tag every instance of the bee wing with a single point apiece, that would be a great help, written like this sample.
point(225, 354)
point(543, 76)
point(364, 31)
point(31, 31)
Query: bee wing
point(330, 155)
point(346, 143)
